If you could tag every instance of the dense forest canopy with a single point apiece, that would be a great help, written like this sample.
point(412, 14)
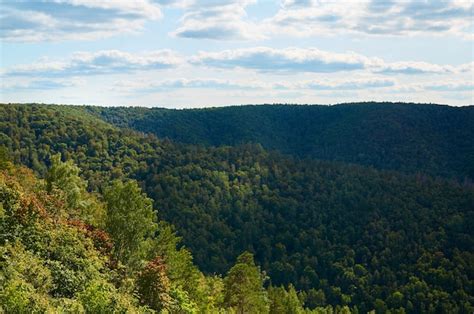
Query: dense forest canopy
point(406, 137)
point(64, 250)
point(341, 234)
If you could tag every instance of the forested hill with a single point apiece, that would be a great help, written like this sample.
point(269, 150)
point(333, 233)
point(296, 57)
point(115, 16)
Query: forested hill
point(406, 137)
point(341, 234)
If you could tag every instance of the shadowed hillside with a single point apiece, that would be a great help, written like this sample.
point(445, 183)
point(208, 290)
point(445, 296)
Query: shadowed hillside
point(428, 138)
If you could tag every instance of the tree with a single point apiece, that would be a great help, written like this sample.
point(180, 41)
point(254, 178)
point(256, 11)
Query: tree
point(130, 221)
point(380, 306)
point(64, 176)
point(5, 158)
point(154, 286)
point(283, 301)
point(395, 301)
point(244, 287)
point(315, 298)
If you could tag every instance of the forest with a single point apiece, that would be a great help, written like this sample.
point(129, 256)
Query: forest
point(251, 209)
point(396, 136)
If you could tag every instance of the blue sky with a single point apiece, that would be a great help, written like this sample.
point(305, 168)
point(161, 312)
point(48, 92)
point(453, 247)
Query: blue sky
point(201, 53)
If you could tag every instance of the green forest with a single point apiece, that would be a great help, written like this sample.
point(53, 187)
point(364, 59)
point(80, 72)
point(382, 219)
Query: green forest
point(405, 137)
point(351, 208)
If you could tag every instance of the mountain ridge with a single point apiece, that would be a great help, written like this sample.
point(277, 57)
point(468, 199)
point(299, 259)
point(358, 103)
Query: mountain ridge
point(435, 139)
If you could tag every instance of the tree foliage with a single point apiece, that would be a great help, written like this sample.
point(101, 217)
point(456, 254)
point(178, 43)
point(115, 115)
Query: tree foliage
point(154, 286)
point(244, 289)
point(405, 137)
point(130, 221)
point(345, 236)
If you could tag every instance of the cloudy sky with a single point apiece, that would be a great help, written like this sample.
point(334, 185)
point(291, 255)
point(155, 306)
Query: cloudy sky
point(200, 53)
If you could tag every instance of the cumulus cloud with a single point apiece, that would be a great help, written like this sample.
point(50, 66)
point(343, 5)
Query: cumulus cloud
point(220, 20)
point(467, 68)
point(452, 86)
point(267, 59)
point(38, 85)
point(141, 86)
point(416, 68)
point(101, 62)
point(445, 87)
point(257, 59)
point(391, 17)
point(351, 84)
point(184, 83)
point(48, 20)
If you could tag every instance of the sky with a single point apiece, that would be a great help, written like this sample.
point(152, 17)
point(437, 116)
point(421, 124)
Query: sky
point(203, 53)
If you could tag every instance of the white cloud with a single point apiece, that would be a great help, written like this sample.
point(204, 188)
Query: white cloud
point(440, 87)
point(344, 84)
point(101, 62)
point(267, 59)
point(184, 83)
point(40, 85)
point(450, 86)
point(220, 20)
point(47, 20)
point(312, 60)
point(467, 68)
point(411, 67)
point(145, 86)
point(259, 60)
point(398, 18)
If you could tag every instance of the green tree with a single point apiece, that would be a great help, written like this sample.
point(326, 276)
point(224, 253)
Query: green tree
point(154, 285)
point(243, 284)
point(395, 300)
point(64, 176)
point(283, 301)
point(25, 282)
point(130, 221)
point(380, 306)
point(315, 298)
point(5, 158)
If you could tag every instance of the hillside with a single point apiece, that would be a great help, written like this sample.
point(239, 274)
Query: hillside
point(64, 250)
point(406, 137)
point(342, 234)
